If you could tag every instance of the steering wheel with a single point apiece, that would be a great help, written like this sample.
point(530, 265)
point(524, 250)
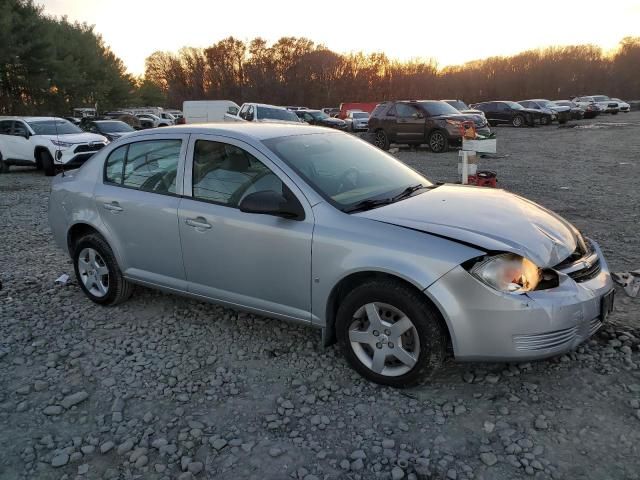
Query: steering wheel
point(347, 180)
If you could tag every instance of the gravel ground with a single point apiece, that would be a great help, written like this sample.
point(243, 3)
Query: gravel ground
point(164, 387)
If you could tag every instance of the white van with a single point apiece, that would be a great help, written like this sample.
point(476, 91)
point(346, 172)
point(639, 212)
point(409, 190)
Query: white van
point(207, 111)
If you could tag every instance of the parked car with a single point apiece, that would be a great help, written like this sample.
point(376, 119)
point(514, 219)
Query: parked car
point(75, 120)
point(260, 112)
point(296, 108)
point(44, 143)
point(322, 228)
point(112, 129)
point(605, 104)
point(463, 107)
point(415, 122)
point(318, 117)
point(555, 112)
point(576, 112)
point(207, 111)
point(357, 121)
point(331, 111)
point(156, 121)
point(360, 106)
point(623, 106)
point(511, 113)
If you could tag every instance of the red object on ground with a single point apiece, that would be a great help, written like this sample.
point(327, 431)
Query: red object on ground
point(486, 178)
point(362, 106)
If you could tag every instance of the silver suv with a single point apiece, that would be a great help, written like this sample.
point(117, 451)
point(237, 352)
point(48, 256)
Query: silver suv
point(313, 225)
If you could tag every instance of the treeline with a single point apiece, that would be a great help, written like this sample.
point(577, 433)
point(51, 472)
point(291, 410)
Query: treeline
point(50, 66)
point(295, 71)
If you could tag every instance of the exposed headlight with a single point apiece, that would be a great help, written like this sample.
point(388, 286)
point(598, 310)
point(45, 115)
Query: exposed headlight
point(60, 144)
point(507, 273)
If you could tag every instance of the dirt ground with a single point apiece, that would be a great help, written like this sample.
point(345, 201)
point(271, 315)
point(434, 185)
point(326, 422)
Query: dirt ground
point(164, 387)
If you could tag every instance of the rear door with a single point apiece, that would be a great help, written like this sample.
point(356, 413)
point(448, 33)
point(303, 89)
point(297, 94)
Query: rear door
point(138, 201)
point(22, 148)
point(260, 262)
point(6, 141)
point(410, 124)
point(490, 110)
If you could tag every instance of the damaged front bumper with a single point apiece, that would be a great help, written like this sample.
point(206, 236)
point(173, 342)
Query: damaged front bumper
point(487, 325)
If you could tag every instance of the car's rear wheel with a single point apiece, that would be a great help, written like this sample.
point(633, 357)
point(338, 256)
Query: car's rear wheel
point(390, 334)
point(517, 121)
point(4, 166)
point(98, 273)
point(438, 141)
point(381, 140)
point(46, 160)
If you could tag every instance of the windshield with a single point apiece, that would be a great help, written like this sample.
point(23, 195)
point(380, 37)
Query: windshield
point(276, 114)
point(601, 98)
point(546, 103)
point(360, 115)
point(438, 108)
point(114, 126)
point(344, 169)
point(458, 105)
point(319, 115)
point(58, 126)
point(515, 106)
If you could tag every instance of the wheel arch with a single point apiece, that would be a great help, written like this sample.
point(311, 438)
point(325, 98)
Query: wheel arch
point(355, 279)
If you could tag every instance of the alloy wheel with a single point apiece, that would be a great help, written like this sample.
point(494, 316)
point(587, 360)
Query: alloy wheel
point(381, 139)
point(436, 142)
point(517, 121)
point(94, 272)
point(384, 339)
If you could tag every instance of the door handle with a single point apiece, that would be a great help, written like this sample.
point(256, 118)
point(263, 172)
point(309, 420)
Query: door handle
point(198, 223)
point(113, 207)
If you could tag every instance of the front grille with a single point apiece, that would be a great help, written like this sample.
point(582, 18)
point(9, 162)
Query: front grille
point(88, 147)
point(543, 341)
point(586, 273)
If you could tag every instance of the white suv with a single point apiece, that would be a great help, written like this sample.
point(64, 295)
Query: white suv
point(44, 142)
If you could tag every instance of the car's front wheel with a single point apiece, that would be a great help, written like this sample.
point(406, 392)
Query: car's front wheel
point(98, 273)
point(390, 334)
point(545, 120)
point(517, 121)
point(438, 142)
point(46, 161)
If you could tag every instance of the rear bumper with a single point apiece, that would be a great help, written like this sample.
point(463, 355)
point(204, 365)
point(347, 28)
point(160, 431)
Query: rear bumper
point(488, 325)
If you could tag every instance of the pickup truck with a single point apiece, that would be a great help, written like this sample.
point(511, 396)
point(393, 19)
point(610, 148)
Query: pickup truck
point(259, 112)
point(44, 142)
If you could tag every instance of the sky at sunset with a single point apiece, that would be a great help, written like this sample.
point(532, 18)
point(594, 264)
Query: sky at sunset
point(417, 28)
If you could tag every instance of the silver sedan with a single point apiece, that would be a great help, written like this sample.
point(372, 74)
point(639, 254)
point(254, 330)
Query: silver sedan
point(316, 226)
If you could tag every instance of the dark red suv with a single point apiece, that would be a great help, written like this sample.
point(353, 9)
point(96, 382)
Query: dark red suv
point(414, 122)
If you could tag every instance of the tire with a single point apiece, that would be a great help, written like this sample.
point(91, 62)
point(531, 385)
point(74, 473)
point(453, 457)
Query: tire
point(518, 121)
point(493, 124)
point(46, 160)
point(381, 140)
point(544, 120)
point(614, 113)
point(438, 141)
point(98, 273)
point(424, 334)
point(4, 166)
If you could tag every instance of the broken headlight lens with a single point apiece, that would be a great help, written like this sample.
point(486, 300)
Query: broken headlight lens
point(507, 273)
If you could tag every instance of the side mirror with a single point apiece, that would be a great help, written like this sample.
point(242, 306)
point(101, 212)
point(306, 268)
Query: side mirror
point(26, 135)
point(272, 203)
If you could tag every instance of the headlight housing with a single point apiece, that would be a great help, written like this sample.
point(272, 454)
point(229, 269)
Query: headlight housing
point(507, 272)
point(60, 144)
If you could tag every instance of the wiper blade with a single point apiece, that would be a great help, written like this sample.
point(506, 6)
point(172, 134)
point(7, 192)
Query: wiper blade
point(368, 204)
point(407, 192)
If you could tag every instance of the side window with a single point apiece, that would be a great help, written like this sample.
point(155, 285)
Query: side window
point(225, 174)
point(114, 165)
point(152, 165)
point(392, 111)
point(406, 111)
point(250, 113)
point(5, 127)
point(503, 107)
point(243, 111)
point(19, 130)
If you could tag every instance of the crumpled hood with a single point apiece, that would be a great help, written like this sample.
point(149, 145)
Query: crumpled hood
point(491, 219)
point(84, 137)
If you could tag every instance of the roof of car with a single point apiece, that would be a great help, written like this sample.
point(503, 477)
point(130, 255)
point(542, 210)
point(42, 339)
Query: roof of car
point(31, 119)
point(255, 130)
